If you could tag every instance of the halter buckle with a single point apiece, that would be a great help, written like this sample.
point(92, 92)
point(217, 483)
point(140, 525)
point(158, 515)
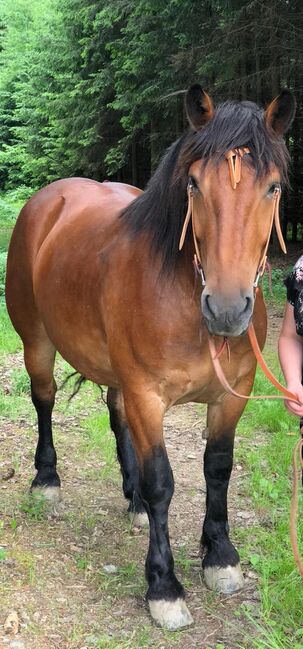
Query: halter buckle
point(199, 269)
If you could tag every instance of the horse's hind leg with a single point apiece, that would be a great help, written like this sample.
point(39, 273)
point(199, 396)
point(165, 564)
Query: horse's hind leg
point(39, 360)
point(127, 458)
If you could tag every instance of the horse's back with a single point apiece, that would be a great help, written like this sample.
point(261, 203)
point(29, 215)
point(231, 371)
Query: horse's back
point(67, 199)
point(70, 208)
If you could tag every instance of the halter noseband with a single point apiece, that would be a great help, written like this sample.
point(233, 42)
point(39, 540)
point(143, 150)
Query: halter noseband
point(234, 159)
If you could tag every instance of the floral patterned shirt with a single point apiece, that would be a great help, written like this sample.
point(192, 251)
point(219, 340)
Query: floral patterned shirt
point(294, 286)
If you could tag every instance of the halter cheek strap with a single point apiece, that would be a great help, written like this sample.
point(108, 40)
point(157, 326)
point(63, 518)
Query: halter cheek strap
point(273, 219)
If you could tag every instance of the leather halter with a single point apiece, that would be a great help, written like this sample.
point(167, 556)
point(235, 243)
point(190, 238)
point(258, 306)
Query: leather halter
point(234, 159)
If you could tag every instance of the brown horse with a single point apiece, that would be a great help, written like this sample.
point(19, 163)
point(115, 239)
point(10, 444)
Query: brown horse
point(100, 272)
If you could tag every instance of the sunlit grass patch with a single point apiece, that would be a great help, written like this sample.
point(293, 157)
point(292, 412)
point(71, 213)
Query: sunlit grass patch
point(3, 554)
point(268, 435)
point(128, 579)
point(266, 414)
point(274, 292)
point(35, 505)
point(16, 407)
point(26, 563)
point(9, 339)
point(99, 441)
point(20, 382)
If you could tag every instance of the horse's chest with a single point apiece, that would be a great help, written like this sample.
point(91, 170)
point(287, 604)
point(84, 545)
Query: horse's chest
point(192, 382)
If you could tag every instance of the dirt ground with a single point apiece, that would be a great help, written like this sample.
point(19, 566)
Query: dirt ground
point(77, 581)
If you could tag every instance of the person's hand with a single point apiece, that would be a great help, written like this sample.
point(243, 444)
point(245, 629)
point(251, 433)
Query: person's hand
point(295, 408)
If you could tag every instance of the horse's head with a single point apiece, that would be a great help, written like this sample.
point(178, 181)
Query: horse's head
point(240, 160)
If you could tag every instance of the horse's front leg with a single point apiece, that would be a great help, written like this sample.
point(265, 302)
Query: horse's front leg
point(221, 563)
point(165, 594)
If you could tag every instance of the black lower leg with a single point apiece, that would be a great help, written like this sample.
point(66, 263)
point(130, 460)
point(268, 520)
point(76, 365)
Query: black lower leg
point(45, 458)
point(157, 486)
point(126, 454)
point(218, 460)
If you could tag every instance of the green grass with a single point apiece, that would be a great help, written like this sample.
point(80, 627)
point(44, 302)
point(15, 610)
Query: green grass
point(99, 440)
point(267, 545)
point(35, 506)
point(268, 415)
point(127, 580)
point(276, 294)
point(9, 339)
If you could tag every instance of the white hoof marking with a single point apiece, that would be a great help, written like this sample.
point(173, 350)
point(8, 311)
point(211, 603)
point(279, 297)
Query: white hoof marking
point(170, 615)
point(139, 519)
point(52, 496)
point(224, 580)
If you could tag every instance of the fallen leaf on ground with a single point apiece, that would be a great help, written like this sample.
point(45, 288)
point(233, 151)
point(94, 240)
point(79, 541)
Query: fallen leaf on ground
point(8, 474)
point(11, 624)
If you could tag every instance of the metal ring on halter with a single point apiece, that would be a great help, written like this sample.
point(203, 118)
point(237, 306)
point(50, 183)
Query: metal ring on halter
point(199, 270)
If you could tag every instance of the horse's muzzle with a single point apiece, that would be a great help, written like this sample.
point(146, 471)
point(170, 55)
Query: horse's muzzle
point(226, 316)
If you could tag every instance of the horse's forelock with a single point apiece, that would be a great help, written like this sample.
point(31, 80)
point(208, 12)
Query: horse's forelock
point(237, 124)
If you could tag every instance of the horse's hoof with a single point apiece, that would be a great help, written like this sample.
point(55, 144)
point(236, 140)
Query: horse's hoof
point(224, 580)
point(139, 519)
point(51, 495)
point(170, 615)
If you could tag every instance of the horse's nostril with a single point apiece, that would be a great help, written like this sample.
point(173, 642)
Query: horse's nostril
point(248, 304)
point(208, 306)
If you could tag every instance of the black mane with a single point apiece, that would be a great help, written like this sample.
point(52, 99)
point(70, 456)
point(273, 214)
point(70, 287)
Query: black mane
point(160, 211)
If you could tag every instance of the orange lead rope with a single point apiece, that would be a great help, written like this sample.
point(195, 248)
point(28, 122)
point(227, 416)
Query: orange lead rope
point(294, 505)
point(286, 394)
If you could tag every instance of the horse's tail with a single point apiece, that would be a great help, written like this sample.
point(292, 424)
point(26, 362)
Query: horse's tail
point(79, 380)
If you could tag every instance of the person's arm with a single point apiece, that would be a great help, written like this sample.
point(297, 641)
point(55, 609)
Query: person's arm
point(291, 359)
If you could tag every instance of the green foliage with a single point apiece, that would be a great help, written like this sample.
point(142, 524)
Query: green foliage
point(9, 339)
point(3, 257)
point(8, 213)
point(20, 383)
point(95, 88)
point(3, 554)
point(273, 287)
point(100, 440)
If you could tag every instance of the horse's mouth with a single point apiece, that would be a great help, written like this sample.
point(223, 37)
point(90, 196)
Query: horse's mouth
point(227, 331)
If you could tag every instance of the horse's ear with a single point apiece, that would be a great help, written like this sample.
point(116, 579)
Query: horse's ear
point(280, 113)
point(199, 107)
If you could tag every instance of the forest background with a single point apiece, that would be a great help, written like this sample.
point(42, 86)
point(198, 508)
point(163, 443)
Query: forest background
point(95, 88)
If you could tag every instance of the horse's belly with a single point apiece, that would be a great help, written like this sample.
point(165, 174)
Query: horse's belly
point(84, 349)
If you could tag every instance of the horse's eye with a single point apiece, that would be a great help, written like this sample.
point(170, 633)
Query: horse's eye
point(273, 188)
point(193, 184)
